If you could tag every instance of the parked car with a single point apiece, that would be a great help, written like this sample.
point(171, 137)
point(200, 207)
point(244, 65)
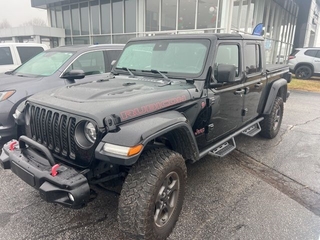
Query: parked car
point(170, 99)
point(50, 69)
point(305, 62)
point(13, 55)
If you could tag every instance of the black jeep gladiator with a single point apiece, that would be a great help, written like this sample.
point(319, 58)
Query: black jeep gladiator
point(170, 99)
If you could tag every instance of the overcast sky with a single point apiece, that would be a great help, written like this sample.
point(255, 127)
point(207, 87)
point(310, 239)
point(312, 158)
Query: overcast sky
point(16, 12)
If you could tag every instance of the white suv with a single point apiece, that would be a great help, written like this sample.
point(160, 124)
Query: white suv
point(12, 55)
point(305, 62)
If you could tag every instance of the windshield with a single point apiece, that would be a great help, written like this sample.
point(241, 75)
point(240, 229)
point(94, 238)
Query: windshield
point(44, 64)
point(173, 57)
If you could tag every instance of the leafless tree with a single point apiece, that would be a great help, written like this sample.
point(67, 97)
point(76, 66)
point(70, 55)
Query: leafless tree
point(4, 24)
point(35, 22)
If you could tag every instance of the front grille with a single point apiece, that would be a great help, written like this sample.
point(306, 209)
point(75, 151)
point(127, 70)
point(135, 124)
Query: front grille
point(53, 129)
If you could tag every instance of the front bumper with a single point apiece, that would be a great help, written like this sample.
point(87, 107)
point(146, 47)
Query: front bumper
point(8, 128)
point(68, 188)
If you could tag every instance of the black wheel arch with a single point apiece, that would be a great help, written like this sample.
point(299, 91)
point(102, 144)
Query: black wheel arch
point(304, 64)
point(279, 88)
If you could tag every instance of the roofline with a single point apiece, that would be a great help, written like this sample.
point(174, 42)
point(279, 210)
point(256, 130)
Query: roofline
point(213, 36)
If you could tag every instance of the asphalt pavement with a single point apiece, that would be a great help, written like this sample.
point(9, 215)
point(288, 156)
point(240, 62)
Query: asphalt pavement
point(266, 189)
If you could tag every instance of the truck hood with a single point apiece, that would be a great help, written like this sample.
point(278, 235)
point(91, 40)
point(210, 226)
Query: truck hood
point(125, 97)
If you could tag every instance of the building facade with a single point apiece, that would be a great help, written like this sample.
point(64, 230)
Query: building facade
point(116, 21)
point(307, 23)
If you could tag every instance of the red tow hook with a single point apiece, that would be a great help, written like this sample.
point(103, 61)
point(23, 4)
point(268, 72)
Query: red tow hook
point(54, 170)
point(12, 145)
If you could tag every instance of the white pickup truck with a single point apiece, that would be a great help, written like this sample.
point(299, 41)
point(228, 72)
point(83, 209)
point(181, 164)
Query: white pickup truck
point(13, 55)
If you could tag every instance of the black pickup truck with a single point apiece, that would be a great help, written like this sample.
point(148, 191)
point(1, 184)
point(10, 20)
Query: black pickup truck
point(170, 99)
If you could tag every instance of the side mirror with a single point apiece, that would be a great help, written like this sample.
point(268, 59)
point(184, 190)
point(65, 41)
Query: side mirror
point(226, 73)
point(113, 62)
point(74, 74)
point(9, 72)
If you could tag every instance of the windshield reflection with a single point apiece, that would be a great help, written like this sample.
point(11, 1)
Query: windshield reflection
point(44, 64)
point(175, 57)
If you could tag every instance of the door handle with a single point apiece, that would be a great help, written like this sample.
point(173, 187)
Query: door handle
point(239, 92)
point(258, 85)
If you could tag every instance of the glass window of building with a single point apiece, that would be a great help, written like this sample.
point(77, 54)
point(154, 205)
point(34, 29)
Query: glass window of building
point(117, 16)
point(95, 17)
point(59, 17)
point(168, 16)
point(152, 15)
point(235, 14)
point(187, 14)
point(91, 63)
point(130, 10)
point(53, 18)
point(123, 38)
point(66, 19)
point(207, 14)
point(84, 12)
point(105, 16)
point(249, 16)
point(75, 19)
point(81, 40)
point(101, 39)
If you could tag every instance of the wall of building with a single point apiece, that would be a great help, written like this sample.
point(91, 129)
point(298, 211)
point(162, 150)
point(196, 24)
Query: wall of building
point(116, 21)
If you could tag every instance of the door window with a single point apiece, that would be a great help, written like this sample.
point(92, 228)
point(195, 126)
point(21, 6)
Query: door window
point(5, 56)
point(311, 53)
point(228, 54)
point(253, 58)
point(91, 63)
point(318, 54)
point(26, 53)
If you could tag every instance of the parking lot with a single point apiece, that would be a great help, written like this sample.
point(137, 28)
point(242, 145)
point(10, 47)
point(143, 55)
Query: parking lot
point(266, 189)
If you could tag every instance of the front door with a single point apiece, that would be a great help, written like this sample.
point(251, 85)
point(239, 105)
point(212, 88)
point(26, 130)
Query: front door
point(226, 101)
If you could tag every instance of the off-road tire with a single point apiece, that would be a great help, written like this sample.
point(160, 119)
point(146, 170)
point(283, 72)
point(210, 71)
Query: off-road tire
point(303, 72)
point(141, 190)
point(270, 125)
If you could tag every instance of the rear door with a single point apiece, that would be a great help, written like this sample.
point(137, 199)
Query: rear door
point(255, 79)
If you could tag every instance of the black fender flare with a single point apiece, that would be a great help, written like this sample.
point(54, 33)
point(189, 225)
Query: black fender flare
point(274, 92)
point(144, 130)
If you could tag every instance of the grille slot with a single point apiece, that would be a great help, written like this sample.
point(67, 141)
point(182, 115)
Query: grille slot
point(54, 130)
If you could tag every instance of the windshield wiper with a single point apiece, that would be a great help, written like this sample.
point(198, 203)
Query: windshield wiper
point(128, 70)
point(157, 71)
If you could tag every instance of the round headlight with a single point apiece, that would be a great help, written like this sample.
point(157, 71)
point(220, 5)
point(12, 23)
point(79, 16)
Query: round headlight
point(90, 132)
point(85, 134)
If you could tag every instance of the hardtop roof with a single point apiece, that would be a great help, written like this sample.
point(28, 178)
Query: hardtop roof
point(212, 36)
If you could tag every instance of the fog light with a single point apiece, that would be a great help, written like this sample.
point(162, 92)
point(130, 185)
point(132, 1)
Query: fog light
point(71, 197)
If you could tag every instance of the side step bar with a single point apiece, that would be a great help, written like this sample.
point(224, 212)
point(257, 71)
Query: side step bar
point(224, 149)
point(228, 144)
point(252, 131)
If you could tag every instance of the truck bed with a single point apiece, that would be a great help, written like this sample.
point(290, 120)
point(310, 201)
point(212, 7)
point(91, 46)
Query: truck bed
point(276, 67)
